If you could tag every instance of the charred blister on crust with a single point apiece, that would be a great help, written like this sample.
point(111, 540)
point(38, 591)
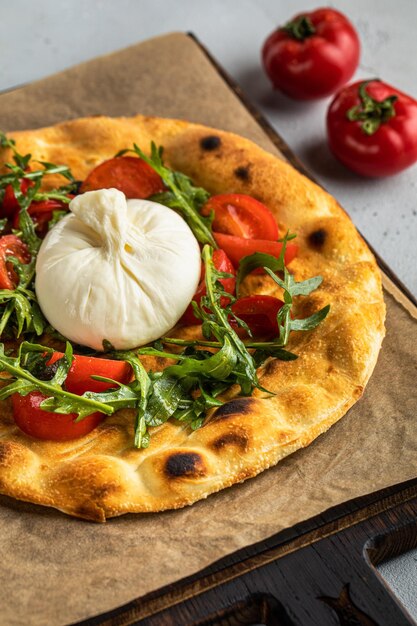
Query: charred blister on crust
point(211, 142)
point(238, 440)
point(317, 238)
point(242, 173)
point(185, 464)
point(235, 407)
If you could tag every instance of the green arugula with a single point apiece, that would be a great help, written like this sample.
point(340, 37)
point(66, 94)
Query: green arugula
point(291, 288)
point(182, 195)
point(202, 371)
point(19, 169)
point(58, 399)
point(19, 310)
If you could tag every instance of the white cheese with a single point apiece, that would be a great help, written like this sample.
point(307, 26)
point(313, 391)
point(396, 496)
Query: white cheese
point(118, 270)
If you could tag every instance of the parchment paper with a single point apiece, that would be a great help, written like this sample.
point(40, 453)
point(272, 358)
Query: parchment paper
point(55, 569)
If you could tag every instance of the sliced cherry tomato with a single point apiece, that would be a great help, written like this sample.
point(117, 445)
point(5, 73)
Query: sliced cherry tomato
point(237, 247)
point(242, 216)
point(313, 55)
point(128, 174)
point(372, 128)
point(223, 264)
point(259, 313)
point(41, 212)
point(10, 205)
point(83, 367)
point(48, 425)
point(10, 245)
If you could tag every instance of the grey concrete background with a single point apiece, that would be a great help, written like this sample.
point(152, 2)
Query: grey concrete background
point(46, 36)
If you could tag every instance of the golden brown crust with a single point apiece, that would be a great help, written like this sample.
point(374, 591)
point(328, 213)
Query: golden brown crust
point(101, 474)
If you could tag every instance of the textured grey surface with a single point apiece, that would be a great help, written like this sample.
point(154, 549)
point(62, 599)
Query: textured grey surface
point(43, 37)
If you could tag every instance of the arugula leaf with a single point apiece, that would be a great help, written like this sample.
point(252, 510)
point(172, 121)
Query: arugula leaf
point(259, 259)
point(215, 322)
point(142, 387)
point(182, 196)
point(293, 288)
point(171, 393)
point(19, 310)
point(57, 215)
point(21, 161)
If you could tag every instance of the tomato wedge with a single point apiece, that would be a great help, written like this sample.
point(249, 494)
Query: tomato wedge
point(56, 427)
point(10, 245)
point(41, 213)
point(259, 313)
point(83, 367)
point(128, 174)
point(223, 264)
point(237, 247)
point(242, 216)
point(10, 205)
point(47, 425)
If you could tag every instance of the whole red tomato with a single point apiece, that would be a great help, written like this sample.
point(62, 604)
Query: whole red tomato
point(372, 128)
point(313, 55)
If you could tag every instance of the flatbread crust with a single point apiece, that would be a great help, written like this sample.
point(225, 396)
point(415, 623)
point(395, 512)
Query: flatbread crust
point(102, 475)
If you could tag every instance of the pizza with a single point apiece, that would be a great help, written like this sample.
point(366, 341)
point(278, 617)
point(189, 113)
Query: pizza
point(238, 410)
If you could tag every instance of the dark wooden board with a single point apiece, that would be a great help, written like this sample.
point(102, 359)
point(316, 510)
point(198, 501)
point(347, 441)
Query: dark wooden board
point(319, 572)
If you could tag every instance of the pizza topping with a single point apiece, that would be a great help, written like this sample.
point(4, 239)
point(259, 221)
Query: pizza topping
point(20, 186)
point(10, 205)
point(223, 264)
point(188, 389)
point(44, 214)
point(19, 311)
point(128, 174)
point(259, 314)
point(237, 248)
point(182, 195)
point(21, 200)
point(242, 216)
point(13, 253)
point(37, 422)
point(118, 270)
point(117, 274)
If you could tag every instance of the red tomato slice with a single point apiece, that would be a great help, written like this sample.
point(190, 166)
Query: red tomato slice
point(242, 216)
point(237, 247)
point(10, 205)
point(48, 425)
point(223, 264)
point(259, 313)
point(10, 245)
point(83, 367)
point(128, 174)
point(41, 213)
